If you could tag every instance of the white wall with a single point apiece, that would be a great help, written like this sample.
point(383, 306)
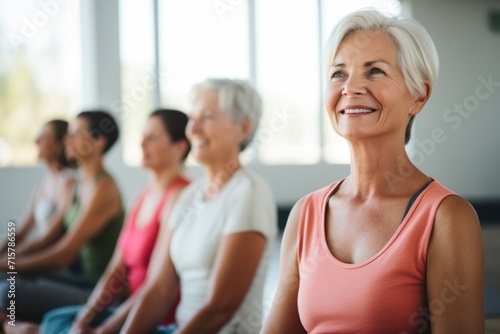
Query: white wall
point(467, 161)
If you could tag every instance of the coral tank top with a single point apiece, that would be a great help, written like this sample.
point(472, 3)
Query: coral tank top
point(383, 294)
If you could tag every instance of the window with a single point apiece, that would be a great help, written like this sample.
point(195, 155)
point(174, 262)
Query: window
point(288, 79)
point(139, 77)
point(40, 64)
point(276, 44)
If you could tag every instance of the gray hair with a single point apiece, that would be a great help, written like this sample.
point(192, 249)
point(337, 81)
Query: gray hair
point(416, 53)
point(237, 98)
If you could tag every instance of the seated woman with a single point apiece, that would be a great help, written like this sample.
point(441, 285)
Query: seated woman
point(219, 236)
point(88, 230)
point(46, 205)
point(387, 249)
point(164, 148)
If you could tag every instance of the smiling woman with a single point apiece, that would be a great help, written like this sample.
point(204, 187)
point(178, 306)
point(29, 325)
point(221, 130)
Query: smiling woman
point(369, 254)
point(365, 78)
point(223, 225)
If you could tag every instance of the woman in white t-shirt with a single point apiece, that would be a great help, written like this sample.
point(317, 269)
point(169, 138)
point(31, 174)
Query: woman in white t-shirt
point(218, 238)
point(47, 203)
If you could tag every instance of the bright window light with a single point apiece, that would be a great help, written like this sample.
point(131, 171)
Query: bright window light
point(40, 72)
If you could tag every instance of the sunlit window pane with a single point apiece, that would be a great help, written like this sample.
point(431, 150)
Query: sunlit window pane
point(200, 40)
point(138, 74)
point(287, 76)
point(40, 65)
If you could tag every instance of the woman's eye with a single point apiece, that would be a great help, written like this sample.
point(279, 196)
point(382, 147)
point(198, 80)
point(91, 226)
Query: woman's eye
point(376, 70)
point(337, 74)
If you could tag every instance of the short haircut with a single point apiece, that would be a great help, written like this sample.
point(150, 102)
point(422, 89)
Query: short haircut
point(416, 53)
point(60, 128)
point(237, 98)
point(174, 122)
point(101, 124)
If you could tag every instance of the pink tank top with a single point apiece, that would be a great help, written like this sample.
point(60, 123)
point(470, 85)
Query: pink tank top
point(137, 243)
point(383, 294)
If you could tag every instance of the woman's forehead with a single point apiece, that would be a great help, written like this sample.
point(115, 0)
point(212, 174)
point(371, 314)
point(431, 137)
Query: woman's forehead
point(366, 46)
point(79, 123)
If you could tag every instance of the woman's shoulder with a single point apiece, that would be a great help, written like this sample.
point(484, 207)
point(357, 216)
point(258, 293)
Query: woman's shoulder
point(248, 178)
point(249, 184)
point(454, 209)
point(455, 216)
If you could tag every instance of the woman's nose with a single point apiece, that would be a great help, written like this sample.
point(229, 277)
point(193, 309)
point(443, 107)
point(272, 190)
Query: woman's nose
point(354, 85)
point(193, 126)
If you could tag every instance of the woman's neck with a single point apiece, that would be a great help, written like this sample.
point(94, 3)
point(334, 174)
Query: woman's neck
point(91, 167)
point(381, 169)
point(54, 167)
point(161, 179)
point(218, 176)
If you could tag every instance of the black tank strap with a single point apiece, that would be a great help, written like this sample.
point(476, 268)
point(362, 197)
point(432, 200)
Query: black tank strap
point(414, 197)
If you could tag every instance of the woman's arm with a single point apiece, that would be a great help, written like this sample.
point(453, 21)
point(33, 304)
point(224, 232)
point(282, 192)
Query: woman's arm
point(158, 292)
point(114, 323)
point(104, 204)
point(26, 225)
point(156, 295)
point(56, 227)
point(455, 270)
point(284, 315)
point(238, 256)
point(111, 285)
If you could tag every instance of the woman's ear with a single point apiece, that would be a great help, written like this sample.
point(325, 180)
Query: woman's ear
point(246, 127)
point(101, 142)
point(182, 148)
point(420, 101)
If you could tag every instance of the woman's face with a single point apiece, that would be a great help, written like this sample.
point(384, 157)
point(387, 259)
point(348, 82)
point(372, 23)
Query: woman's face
point(158, 150)
point(49, 148)
point(79, 143)
point(366, 95)
point(213, 135)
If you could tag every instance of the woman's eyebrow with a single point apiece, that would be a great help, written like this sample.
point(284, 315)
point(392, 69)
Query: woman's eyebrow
point(366, 64)
point(371, 62)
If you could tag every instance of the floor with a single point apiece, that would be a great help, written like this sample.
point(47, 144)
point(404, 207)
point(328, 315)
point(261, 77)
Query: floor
point(491, 237)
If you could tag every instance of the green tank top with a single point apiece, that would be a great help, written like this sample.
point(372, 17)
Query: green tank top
point(97, 252)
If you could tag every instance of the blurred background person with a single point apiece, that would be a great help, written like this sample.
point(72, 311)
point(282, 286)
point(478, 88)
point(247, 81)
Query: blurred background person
point(88, 232)
point(165, 148)
point(218, 240)
point(47, 205)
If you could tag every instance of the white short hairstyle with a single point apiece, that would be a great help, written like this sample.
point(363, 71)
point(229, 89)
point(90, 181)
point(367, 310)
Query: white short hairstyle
point(237, 98)
point(416, 53)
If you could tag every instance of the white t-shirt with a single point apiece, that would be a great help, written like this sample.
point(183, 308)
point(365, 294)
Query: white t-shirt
point(46, 201)
point(245, 203)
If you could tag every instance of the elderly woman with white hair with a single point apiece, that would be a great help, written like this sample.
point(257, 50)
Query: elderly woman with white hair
point(217, 242)
point(386, 249)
